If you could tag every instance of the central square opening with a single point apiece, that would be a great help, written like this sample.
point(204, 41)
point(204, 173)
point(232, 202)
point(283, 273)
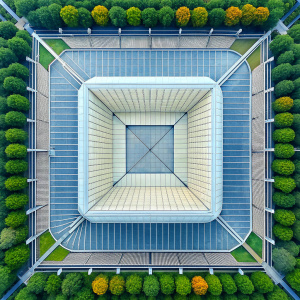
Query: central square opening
point(150, 149)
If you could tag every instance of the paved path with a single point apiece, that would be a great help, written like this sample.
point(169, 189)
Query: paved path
point(2, 18)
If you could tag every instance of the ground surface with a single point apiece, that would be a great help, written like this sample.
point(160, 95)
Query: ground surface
point(46, 241)
point(242, 255)
point(255, 242)
point(45, 57)
point(241, 46)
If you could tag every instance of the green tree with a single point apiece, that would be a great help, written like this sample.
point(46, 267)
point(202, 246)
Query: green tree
point(192, 4)
point(14, 85)
point(70, 15)
point(284, 233)
point(214, 284)
point(24, 6)
point(293, 279)
point(15, 257)
point(183, 285)
point(25, 294)
point(282, 72)
point(16, 183)
point(21, 234)
point(261, 282)
point(244, 284)
point(54, 15)
point(117, 16)
point(53, 284)
point(284, 135)
point(296, 230)
point(7, 57)
point(37, 283)
point(286, 57)
point(216, 17)
point(150, 17)
point(16, 218)
point(84, 294)
point(277, 294)
point(100, 15)
point(199, 17)
point(280, 44)
point(3, 42)
point(167, 284)
point(166, 16)
point(290, 246)
point(85, 18)
point(34, 19)
point(18, 70)
point(284, 200)
point(7, 279)
point(16, 166)
point(7, 238)
point(228, 283)
point(294, 32)
point(134, 284)
point(282, 104)
point(284, 88)
point(216, 4)
point(20, 47)
point(248, 14)
point(151, 286)
point(117, 285)
point(7, 30)
point(283, 120)
point(284, 217)
point(23, 34)
point(15, 119)
point(18, 102)
point(133, 16)
point(72, 284)
point(16, 135)
point(273, 19)
point(16, 151)
point(3, 105)
point(283, 166)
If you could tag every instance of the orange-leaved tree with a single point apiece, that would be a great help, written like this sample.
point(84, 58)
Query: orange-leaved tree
point(199, 285)
point(199, 17)
point(233, 16)
point(100, 15)
point(182, 16)
point(261, 15)
point(100, 284)
point(248, 11)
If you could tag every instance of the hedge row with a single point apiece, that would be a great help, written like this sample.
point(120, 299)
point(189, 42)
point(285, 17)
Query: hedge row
point(54, 14)
point(286, 164)
point(14, 47)
point(79, 286)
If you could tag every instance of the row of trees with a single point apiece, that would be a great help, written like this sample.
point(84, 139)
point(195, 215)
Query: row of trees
point(198, 17)
point(287, 164)
point(14, 47)
point(52, 14)
point(80, 286)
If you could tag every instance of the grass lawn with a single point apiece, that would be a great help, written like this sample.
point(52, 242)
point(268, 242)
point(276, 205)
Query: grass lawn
point(46, 241)
point(241, 46)
point(255, 242)
point(45, 57)
point(242, 255)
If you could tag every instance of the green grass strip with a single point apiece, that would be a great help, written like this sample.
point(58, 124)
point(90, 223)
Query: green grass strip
point(46, 241)
point(241, 46)
point(57, 45)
